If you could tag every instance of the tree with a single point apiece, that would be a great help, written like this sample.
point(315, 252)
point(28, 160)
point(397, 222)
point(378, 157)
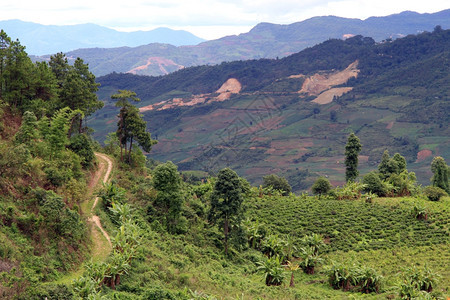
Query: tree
point(169, 200)
point(321, 186)
point(59, 128)
point(277, 183)
point(389, 166)
point(76, 86)
point(352, 149)
point(226, 201)
point(15, 70)
point(373, 183)
point(383, 167)
point(28, 130)
point(130, 124)
point(440, 173)
point(82, 146)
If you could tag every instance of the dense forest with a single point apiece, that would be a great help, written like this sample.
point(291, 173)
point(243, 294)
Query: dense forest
point(83, 221)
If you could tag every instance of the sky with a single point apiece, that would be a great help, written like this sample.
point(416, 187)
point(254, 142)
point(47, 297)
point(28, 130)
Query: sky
point(208, 19)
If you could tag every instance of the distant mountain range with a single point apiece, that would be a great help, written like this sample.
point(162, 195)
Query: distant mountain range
point(50, 39)
point(292, 115)
point(265, 40)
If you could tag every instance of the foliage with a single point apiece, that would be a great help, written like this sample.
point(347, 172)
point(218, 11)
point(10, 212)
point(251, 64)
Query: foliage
point(111, 194)
point(273, 271)
point(310, 259)
point(27, 133)
point(277, 183)
point(352, 149)
point(82, 146)
point(434, 193)
point(416, 280)
point(131, 124)
point(321, 186)
point(350, 191)
point(374, 184)
point(76, 85)
point(345, 277)
point(226, 201)
point(440, 174)
point(313, 241)
point(169, 199)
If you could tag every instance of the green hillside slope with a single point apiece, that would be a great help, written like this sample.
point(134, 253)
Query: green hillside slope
point(398, 101)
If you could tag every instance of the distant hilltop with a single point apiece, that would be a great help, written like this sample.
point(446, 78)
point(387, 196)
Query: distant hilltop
point(50, 39)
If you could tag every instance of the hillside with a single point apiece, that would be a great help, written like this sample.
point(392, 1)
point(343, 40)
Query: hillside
point(393, 95)
point(50, 39)
point(265, 40)
point(82, 221)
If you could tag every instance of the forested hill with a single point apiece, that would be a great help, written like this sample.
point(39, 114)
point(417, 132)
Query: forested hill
point(399, 101)
point(265, 40)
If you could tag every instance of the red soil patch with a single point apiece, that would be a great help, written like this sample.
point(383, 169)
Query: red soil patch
point(159, 61)
point(390, 125)
point(422, 155)
point(363, 158)
point(230, 87)
point(319, 83)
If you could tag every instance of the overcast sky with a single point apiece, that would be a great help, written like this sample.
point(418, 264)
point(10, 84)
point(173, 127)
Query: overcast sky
point(208, 19)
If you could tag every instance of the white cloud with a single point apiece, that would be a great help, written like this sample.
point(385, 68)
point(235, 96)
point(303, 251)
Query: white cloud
point(221, 16)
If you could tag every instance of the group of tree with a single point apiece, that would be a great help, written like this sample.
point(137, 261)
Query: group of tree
point(390, 179)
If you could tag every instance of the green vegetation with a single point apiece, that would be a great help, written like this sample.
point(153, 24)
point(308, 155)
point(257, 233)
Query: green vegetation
point(277, 183)
point(321, 186)
point(397, 103)
point(204, 237)
point(226, 201)
point(352, 149)
point(440, 173)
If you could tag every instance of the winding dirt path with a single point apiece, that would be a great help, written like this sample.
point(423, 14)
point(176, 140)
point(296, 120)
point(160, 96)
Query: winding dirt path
point(96, 219)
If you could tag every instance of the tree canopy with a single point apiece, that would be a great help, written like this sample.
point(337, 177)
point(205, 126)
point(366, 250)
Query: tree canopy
point(352, 149)
point(226, 201)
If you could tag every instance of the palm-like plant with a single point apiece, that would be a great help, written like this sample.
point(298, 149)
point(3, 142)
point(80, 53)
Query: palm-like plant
point(111, 194)
point(310, 259)
point(292, 267)
point(340, 277)
point(273, 271)
point(369, 280)
point(314, 241)
point(255, 233)
point(419, 212)
point(289, 247)
point(272, 245)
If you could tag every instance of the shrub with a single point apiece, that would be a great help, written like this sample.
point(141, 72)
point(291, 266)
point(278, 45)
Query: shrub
point(369, 280)
point(321, 186)
point(374, 184)
point(364, 279)
point(434, 193)
point(340, 277)
point(419, 212)
point(277, 183)
point(81, 145)
point(416, 280)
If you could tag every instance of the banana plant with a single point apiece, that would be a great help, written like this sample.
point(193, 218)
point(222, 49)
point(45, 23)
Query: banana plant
point(309, 259)
point(273, 271)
